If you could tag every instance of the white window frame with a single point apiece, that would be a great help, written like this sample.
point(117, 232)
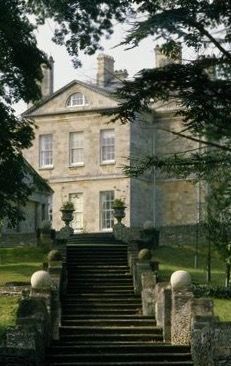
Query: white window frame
point(107, 146)
point(76, 100)
point(79, 211)
point(79, 146)
point(46, 151)
point(106, 211)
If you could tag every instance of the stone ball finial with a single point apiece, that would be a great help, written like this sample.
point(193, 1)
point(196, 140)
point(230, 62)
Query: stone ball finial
point(41, 280)
point(144, 254)
point(148, 225)
point(180, 280)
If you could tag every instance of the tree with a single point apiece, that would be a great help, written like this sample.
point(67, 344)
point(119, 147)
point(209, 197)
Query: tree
point(80, 24)
point(204, 100)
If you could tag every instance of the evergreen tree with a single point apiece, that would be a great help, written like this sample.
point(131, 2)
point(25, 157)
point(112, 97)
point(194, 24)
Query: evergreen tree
point(80, 24)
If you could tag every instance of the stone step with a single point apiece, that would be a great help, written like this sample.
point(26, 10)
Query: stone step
point(91, 307)
point(101, 286)
point(116, 317)
point(98, 277)
point(122, 357)
point(124, 363)
point(108, 322)
point(97, 268)
point(74, 275)
point(110, 330)
point(100, 292)
point(102, 301)
point(115, 337)
point(110, 311)
point(105, 296)
point(101, 317)
point(111, 348)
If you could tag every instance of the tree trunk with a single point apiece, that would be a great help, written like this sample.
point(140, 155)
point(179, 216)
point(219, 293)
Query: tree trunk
point(227, 279)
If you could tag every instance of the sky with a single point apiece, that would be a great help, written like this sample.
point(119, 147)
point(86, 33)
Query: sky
point(133, 60)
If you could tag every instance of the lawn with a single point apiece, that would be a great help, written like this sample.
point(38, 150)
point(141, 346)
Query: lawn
point(16, 264)
point(174, 258)
point(182, 258)
point(8, 308)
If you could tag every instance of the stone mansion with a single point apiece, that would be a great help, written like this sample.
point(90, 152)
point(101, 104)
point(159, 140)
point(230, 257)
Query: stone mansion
point(81, 155)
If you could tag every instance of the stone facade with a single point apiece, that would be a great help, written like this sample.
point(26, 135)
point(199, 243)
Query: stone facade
point(35, 211)
point(165, 201)
point(92, 177)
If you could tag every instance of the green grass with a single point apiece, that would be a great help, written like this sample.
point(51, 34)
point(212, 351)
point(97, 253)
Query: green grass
point(182, 258)
point(16, 264)
point(8, 308)
point(222, 309)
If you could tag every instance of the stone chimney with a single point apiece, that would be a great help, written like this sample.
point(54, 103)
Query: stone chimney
point(47, 84)
point(121, 75)
point(105, 70)
point(161, 60)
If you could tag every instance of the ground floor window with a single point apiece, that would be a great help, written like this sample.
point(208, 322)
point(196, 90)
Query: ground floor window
point(77, 223)
point(106, 211)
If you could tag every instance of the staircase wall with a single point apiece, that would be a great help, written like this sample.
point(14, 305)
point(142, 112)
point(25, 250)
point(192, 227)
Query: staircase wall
point(37, 323)
point(188, 320)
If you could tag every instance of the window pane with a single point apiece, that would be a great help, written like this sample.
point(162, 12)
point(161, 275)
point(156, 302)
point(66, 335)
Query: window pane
point(45, 150)
point(76, 148)
point(106, 200)
point(76, 99)
point(107, 145)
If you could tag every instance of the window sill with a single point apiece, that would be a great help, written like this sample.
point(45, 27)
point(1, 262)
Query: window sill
point(76, 165)
point(50, 167)
point(109, 162)
point(77, 105)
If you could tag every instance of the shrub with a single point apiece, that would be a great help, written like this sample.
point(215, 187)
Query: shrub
point(118, 203)
point(68, 205)
point(45, 227)
point(54, 255)
point(219, 292)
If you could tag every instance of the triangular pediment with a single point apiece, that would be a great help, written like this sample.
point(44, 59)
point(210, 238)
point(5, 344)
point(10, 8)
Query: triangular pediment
point(97, 99)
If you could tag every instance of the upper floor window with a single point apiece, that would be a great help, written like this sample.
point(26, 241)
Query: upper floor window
point(107, 146)
point(45, 151)
point(76, 148)
point(76, 99)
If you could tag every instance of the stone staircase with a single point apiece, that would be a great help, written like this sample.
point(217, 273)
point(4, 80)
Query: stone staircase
point(101, 317)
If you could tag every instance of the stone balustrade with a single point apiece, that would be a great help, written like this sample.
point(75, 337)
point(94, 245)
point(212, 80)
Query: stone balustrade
point(185, 319)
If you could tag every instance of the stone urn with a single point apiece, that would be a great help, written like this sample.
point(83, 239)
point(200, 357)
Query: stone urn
point(118, 210)
point(67, 216)
point(67, 212)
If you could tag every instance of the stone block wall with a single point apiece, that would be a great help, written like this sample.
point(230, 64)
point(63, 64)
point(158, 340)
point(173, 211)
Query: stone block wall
point(186, 320)
point(37, 323)
point(182, 235)
point(16, 239)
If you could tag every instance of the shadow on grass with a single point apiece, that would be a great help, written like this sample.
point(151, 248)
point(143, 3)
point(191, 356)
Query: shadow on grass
point(21, 255)
point(18, 272)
